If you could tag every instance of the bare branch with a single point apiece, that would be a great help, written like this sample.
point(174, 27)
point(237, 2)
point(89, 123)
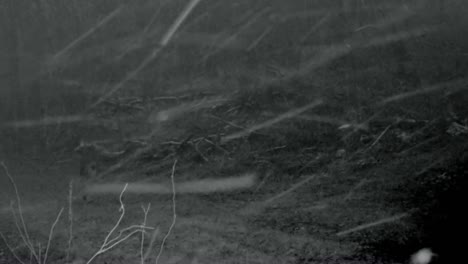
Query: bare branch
point(10, 248)
point(174, 213)
point(70, 219)
point(50, 235)
point(105, 243)
point(145, 212)
point(24, 233)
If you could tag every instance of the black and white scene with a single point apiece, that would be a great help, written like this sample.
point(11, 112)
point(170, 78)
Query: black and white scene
point(233, 131)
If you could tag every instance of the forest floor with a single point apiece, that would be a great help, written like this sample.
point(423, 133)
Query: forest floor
point(314, 198)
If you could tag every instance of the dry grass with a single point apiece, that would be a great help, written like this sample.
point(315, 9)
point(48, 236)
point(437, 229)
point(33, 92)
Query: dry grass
point(40, 255)
point(123, 235)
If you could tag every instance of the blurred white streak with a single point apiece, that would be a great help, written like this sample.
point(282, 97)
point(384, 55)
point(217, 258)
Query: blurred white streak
point(422, 256)
point(453, 85)
point(188, 9)
point(48, 121)
point(198, 186)
point(258, 207)
point(330, 53)
point(202, 16)
point(373, 224)
point(205, 39)
point(268, 123)
point(165, 40)
point(184, 108)
point(259, 38)
point(333, 121)
point(317, 25)
point(234, 36)
point(155, 15)
point(302, 15)
point(292, 188)
point(56, 58)
point(396, 16)
point(402, 35)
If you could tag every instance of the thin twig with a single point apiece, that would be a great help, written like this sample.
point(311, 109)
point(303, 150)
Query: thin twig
point(39, 249)
point(10, 248)
point(50, 235)
point(153, 239)
point(70, 220)
point(137, 227)
point(105, 243)
point(110, 246)
point(20, 231)
point(145, 211)
point(174, 213)
point(24, 234)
